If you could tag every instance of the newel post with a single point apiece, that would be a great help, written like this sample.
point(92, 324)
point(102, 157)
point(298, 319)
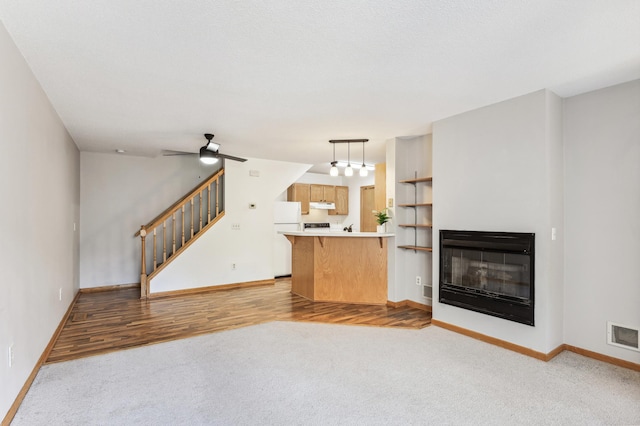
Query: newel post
point(143, 265)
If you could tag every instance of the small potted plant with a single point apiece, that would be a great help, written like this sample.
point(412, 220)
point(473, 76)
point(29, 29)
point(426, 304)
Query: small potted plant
point(381, 218)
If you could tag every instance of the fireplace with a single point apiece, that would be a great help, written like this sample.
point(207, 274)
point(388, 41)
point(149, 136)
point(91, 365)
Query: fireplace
point(489, 272)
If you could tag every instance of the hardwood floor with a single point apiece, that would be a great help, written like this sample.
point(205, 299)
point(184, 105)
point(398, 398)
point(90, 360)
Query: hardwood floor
point(109, 321)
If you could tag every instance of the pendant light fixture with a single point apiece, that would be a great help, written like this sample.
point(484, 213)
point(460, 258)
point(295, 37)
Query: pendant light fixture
point(349, 170)
point(334, 167)
point(363, 168)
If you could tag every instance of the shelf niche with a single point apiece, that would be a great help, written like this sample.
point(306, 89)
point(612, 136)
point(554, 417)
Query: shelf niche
point(415, 205)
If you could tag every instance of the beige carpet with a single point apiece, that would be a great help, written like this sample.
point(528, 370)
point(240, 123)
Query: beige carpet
point(302, 373)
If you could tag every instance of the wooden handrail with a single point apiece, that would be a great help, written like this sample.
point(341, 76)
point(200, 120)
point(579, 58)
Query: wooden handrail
point(181, 202)
point(181, 208)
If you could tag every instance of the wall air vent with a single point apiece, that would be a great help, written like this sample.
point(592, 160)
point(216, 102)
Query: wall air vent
point(427, 291)
point(623, 336)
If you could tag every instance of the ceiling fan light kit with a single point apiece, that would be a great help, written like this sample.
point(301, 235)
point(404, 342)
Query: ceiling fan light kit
point(207, 157)
point(348, 171)
point(210, 154)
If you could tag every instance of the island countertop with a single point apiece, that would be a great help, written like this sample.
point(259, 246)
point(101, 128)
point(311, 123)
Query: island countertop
point(346, 267)
point(336, 234)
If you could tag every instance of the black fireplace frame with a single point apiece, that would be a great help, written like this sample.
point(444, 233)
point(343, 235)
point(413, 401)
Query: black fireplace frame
point(479, 300)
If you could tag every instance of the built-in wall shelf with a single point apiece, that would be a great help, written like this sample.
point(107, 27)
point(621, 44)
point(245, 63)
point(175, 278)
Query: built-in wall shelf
point(416, 248)
point(416, 205)
point(417, 179)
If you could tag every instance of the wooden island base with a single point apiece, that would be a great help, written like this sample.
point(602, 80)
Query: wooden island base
point(340, 268)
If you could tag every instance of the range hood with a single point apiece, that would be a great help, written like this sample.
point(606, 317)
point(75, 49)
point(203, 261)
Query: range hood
point(322, 205)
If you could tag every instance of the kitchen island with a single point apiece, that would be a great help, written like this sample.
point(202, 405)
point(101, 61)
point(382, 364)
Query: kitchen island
point(347, 267)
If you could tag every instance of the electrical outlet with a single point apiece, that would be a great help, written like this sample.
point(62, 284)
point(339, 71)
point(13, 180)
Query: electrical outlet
point(233, 266)
point(418, 280)
point(390, 202)
point(10, 355)
point(235, 226)
point(553, 234)
point(60, 294)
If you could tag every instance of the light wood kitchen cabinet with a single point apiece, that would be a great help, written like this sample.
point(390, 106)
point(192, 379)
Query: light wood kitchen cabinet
point(329, 194)
point(300, 192)
point(322, 193)
point(341, 200)
point(316, 193)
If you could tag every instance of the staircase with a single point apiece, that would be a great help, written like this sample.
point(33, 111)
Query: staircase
point(175, 229)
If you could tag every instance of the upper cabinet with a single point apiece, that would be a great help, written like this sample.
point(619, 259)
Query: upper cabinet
point(322, 193)
point(341, 200)
point(306, 193)
point(300, 192)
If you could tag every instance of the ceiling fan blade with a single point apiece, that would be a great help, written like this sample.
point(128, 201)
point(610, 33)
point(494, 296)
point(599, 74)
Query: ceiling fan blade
point(169, 153)
point(231, 157)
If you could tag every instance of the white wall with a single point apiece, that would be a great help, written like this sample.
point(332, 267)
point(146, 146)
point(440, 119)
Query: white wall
point(394, 291)
point(209, 260)
point(39, 188)
point(555, 182)
point(119, 193)
point(602, 169)
point(494, 169)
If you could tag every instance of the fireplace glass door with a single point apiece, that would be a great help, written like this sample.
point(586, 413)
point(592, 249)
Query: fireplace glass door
point(502, 274)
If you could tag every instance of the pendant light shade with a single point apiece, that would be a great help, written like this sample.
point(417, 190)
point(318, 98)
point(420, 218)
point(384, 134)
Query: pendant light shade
point(334, 167)
point(349, 170)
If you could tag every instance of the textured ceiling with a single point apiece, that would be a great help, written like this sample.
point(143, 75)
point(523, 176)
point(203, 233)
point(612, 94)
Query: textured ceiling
point(278, 79)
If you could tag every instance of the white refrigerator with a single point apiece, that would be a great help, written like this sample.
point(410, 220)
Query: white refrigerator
point(287, 216)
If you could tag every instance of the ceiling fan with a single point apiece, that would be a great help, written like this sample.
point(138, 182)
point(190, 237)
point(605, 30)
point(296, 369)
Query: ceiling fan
point(209, 153)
